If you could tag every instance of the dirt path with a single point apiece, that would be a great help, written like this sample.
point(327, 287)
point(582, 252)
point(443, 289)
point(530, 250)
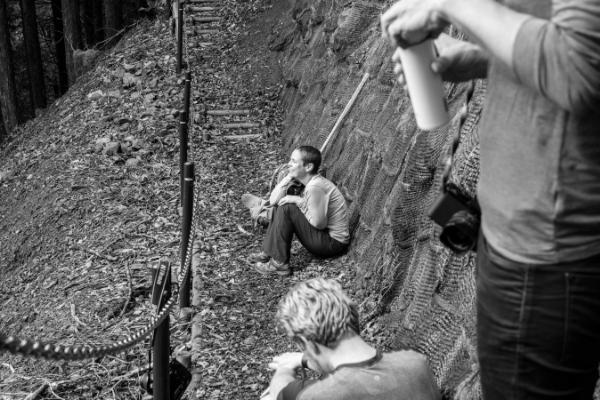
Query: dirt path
point(89, 202)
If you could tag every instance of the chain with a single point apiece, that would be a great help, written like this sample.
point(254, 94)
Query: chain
point(41, 349)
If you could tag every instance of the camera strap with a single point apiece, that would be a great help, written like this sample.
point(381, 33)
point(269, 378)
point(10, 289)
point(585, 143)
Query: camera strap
point(449, 158)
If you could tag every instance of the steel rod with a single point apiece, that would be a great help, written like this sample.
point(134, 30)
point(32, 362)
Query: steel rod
point(188, 208)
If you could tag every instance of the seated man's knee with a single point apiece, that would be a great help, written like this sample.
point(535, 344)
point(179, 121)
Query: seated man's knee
point(287, 209)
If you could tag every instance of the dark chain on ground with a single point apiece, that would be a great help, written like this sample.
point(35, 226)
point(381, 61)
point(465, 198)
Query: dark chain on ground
point(49, 350)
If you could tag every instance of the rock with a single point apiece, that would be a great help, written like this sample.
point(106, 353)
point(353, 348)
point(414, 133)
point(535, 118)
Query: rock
point(130, 80)
point(129, 67)
point(132, 162)
point(114, 93)
point(112, 148)
point(95, 95)
point(100, 144)
point(4, 175)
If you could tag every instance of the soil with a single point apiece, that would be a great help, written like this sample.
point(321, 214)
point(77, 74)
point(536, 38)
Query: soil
point(83, 223)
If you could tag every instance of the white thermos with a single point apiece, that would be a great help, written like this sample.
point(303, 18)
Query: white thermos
point(425, 87)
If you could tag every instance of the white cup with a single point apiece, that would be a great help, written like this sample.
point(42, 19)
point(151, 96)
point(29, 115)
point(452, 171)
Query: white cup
point(425, 87)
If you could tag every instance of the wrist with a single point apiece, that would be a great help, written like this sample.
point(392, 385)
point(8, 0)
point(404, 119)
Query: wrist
point(304, 362)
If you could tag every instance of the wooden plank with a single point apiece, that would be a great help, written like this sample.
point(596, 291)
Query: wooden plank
point(241, 125)
point(228, 112)
point(241, 137)
point(201, 9)
point(206, 19)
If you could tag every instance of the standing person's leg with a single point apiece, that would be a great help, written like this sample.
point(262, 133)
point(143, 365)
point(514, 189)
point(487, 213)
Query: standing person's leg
point(537, 328)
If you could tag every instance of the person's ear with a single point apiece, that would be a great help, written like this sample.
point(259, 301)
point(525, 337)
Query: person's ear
point(313, 348)
point(309, 167)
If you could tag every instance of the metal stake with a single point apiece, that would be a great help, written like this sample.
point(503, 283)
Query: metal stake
point(179, 36)
point(186, 226)
point(183, 149)
point(161, 344)
point(187, 94)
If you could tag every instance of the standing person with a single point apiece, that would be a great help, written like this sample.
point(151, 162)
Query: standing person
point(318, 217)
point(323, 321)
point(538, 281)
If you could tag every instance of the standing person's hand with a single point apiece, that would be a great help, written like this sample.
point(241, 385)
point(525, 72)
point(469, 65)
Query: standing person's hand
point(457, 61)
point(409, 22)
point(291, 360)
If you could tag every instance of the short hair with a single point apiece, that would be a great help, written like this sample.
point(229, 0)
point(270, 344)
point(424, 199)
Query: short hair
point(318, 310)
point(311, 155)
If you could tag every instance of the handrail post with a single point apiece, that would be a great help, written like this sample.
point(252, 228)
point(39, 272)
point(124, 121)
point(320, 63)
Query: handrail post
point(187, 91)
point(186, 226)
point(161, 343)
point(183, 149)
point(179, 36)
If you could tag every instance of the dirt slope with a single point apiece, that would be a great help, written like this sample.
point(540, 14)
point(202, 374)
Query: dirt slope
point(89, 202)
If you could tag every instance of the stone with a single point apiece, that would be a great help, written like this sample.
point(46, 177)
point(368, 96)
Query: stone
point(100, 144)
point(95, 95)
point(112, 148)
point(132, 162)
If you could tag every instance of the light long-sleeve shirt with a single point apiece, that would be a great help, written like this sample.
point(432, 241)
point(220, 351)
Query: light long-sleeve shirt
point(539, 187)
point(322, 204)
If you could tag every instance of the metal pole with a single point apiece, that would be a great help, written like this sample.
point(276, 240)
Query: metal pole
point(187, 94)
point(183, 149)
point(179, 36)
point(161, 347)
point(186, 226)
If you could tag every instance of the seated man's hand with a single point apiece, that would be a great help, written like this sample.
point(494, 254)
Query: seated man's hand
point(288, 199)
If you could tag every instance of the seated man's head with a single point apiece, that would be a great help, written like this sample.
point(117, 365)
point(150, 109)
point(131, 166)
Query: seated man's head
point(304, 161)
point(317, 315)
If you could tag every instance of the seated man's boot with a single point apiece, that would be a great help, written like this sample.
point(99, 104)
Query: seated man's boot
point(273, 267)
point(259, 257)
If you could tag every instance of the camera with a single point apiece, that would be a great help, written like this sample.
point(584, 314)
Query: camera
point(295, 189)
point(459, 216)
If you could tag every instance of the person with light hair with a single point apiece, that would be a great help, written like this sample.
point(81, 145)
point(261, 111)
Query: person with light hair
point(324, 323)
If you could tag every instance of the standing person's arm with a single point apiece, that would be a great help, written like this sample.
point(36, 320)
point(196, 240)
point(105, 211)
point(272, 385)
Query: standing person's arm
point(285, 366)
point(559, 58)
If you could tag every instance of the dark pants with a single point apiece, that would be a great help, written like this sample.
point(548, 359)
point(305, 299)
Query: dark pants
point(287, 220)
point(538, 327)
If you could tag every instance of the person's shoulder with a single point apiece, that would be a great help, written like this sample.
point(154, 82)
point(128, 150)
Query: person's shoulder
point(406, 358)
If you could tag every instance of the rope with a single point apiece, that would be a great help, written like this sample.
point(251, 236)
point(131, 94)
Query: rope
point(49, 350)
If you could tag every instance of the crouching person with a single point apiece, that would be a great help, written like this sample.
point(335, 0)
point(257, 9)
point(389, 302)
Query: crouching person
point(323, 321)
point(318, 217)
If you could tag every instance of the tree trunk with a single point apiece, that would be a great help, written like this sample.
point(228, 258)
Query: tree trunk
point(88, 22)
point(8, 98)
point(113, 18)
point(71, 34)
point(59, 45)
point(34, 55)
point(3, 133)
point(98, 20)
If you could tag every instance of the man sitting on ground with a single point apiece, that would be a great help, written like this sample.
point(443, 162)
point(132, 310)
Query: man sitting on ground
point(323, 321)
point(318, 217)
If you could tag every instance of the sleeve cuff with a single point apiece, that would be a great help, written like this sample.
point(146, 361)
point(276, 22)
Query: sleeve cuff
point(526, 51)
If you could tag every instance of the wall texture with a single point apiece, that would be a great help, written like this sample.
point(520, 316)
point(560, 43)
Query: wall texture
point(414, 288)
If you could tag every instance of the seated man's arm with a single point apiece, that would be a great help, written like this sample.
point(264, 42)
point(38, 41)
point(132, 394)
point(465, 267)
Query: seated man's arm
point(280, 190)
point(314, 207)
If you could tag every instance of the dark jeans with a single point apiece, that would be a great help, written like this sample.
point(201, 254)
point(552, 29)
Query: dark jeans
point(538, 327)
point(287, 220)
